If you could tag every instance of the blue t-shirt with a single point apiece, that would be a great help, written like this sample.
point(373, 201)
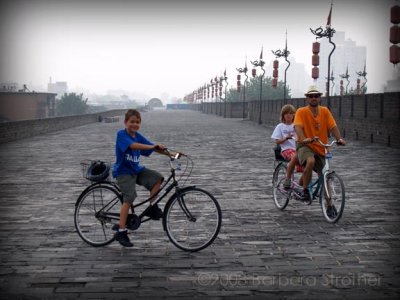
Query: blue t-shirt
point(128, 160)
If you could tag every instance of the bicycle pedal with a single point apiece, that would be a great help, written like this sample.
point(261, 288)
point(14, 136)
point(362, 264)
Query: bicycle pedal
point(133, 222)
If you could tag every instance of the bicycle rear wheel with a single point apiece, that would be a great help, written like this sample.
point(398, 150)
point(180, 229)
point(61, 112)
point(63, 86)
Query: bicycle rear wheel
point(333, 200)
point(96, 211)
point(193, 219)
point(281, 196)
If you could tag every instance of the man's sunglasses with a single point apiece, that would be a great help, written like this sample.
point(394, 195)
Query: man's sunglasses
point(314, 96)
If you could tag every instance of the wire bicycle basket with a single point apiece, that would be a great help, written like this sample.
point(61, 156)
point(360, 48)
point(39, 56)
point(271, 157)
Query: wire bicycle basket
point(95, 170)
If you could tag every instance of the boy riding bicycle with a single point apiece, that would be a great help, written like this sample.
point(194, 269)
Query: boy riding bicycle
point(130, 145)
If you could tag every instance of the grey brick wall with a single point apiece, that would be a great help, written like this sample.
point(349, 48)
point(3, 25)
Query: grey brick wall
point(373, 118)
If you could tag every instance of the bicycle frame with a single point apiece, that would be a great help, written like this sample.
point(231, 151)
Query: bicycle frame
point(315, 187)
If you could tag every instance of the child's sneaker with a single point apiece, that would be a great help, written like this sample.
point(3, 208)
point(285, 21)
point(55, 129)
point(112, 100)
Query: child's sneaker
point(123, 239)
point(155, 213)
point(287, 183)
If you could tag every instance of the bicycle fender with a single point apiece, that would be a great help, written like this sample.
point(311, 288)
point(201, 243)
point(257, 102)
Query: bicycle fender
point(168, 204)
point(93, 185)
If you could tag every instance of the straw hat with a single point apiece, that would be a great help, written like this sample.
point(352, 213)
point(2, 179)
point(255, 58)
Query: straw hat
point(312, 90)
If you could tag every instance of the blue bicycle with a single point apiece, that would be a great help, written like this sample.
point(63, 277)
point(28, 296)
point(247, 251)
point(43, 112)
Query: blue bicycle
point(328, 187)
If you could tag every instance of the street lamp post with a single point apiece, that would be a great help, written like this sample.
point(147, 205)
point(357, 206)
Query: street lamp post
point(212, 83)
point(328, 33)
point(333, 82)
point(244, 70)
point(363, 74)
point(346, 76)
point(261, 64)
point(217, 96)
point(222, 79)
point(283, 53)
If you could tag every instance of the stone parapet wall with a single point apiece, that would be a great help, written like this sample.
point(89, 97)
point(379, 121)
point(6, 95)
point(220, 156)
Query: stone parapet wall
point(11, 131)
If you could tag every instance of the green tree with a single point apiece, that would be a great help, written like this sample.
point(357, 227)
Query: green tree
point(253, 90)
point(72, 104)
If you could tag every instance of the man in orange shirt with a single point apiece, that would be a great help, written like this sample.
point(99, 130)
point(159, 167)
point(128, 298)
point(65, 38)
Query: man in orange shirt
point(312, 121)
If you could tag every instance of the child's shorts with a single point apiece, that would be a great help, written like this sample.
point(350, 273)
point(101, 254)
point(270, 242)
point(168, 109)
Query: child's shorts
point(127, 183)
point(288, 154)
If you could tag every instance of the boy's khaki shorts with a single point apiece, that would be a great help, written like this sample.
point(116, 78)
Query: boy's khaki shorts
point(304, 152)
point(127, 183)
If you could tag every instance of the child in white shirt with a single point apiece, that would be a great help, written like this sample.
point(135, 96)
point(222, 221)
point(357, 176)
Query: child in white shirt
point(285, 136)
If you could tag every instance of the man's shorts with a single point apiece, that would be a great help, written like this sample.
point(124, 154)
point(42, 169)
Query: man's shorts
point(304, 152)
point(127, 183)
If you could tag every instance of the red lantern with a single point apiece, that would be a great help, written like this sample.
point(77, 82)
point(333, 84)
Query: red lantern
point(315, 60)
point(238, 83)
point(315, 47)
point(395, 14)
point(274, 82)
point(395, 34)
point(276, 64)
point(238, 89)
point(238, 77)
point(275, 73)
point(254, 72)
point(315, 73)
point(394, 54)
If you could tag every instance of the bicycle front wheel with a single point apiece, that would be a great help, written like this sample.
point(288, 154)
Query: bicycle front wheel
point(96, 212)
point(281, 196)
point(333, 198)
point(192, 219)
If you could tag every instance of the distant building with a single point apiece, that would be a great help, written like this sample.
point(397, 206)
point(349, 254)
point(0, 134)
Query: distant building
point(17, 106)
point(154, 103)
point(394, 84)
point(8, 87)
point(59, 87)
point(346, 55)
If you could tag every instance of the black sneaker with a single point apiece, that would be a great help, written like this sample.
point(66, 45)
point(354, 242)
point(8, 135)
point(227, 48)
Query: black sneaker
point(154, 212)
point(305, 196)
point(123, 239)
point(331, 212)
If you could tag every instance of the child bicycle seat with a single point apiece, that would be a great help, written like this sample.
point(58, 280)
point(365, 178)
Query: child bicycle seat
point(277, 151)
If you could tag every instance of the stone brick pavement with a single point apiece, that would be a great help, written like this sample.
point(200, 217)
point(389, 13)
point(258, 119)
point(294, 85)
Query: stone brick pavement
point(260, 253)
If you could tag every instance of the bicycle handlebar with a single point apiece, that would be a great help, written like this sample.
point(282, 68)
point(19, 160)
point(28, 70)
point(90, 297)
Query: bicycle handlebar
point(176, 155)
point(316, 139)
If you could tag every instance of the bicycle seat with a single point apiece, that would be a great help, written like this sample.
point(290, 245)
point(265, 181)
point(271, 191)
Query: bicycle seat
point(277, 151)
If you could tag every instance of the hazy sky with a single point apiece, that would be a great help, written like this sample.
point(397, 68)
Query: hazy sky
point(173, 47)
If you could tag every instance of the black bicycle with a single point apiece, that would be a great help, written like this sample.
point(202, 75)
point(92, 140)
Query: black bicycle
point(191, 216)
